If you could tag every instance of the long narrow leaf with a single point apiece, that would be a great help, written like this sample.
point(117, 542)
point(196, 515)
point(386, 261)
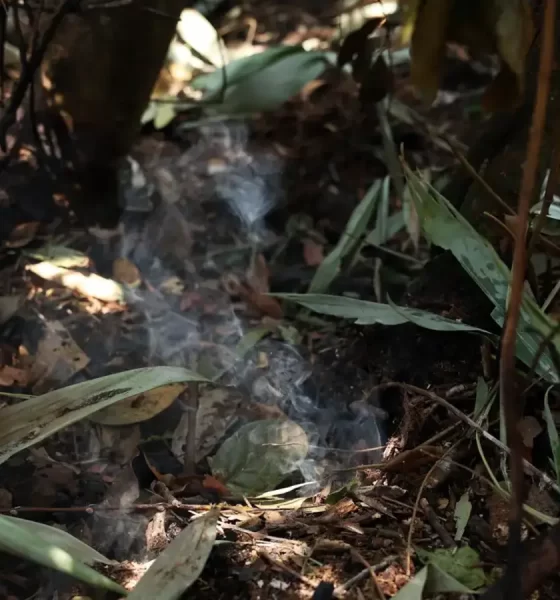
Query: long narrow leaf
point(21, 541)
point(26, 423)
point(181, 563)
point(350, 238)
point(446, 227)
point(363, 312)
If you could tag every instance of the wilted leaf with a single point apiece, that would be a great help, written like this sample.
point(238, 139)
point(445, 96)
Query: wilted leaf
point(259, 456)
point(54, 549)
point(462, 515)
point(58, 358)
point(350, 239)
point(461, 564)
point(26, 423)
point(139, 408)
point(363, 312)
point(181, 563)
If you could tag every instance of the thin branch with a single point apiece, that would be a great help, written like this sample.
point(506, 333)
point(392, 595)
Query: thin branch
point(509, 396)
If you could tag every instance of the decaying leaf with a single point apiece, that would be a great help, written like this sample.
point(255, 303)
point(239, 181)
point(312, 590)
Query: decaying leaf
point(139, 408)
point(58, 358)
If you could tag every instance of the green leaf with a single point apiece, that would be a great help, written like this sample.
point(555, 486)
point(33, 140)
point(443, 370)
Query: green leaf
point(181, 563)
point(26, 423)
point(413, 590)
point(54, 550)
point(447, 228)
point(462, 514)
point(363, 312)
point(349, 240)
point(383, 232)
point(461, 565)
point(261, 83)
point(553, 437)
point(260, 455)
point(237, 70)
point(164, 113)
point(60, 538)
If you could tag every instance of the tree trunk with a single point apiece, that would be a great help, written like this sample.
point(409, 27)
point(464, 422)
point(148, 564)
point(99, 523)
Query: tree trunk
point(99, 73)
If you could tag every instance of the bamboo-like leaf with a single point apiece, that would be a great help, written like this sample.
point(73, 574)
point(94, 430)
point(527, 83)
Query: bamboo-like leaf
point(55, 550)
point(181, 563)
point(363, 312)
point(444, 226)
point(26, 423)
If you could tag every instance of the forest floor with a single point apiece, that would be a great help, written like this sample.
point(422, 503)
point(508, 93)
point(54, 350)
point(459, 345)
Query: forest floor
point(391, 477)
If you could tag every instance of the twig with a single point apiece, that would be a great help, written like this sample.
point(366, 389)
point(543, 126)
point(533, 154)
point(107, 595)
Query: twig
point(285, 568)
point(375, 583)
point(444, 535)
point(529, 468)
point(342, 589)
point(509, 396)
point(415, 509)
point(29, 68)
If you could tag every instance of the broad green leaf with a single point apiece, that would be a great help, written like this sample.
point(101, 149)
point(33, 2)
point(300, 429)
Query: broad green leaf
point(181, 563)
point(237, 70)
point(461, 565)
point(349, 240)
point(363, 312)
point(55, 553)
point(553, 437)
point(462, 515)
point(266, 85)
point(26, 423)
point(414, 589)
point(446, 227)
point(260, 455)
point(441, 582)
